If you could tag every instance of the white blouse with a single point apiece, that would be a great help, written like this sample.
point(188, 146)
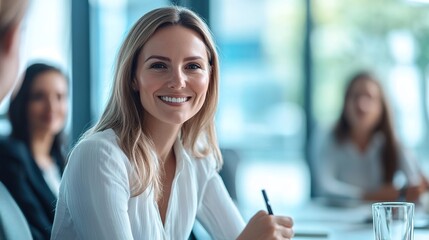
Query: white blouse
point(52, 177)
point(95, 199)
point(344, 171)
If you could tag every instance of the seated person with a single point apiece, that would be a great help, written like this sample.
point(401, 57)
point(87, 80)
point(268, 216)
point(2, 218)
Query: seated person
point(362, 159)
point(31, 159)
point(148, 168)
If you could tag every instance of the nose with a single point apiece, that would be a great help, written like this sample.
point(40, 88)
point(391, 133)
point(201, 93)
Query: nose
point(178, 80)
point(49, 103)
point(363, 103)
point(52, 103)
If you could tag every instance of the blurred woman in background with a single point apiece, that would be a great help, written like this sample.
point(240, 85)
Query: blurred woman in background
point(362, 158)
point(31, 157)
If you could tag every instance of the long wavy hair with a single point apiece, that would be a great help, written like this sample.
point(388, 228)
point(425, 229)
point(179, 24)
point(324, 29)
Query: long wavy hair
point(124, 112)
point(390, 149)
point(18, 110)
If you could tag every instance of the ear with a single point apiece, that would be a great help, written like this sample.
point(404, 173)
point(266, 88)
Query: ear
point(134, 85)
point(10, 39)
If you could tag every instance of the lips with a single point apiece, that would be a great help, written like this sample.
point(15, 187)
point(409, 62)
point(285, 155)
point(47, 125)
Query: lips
point(174, 99)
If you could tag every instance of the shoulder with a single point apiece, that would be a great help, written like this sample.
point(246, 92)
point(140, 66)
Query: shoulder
point(405, 154)
point(104, 140)
point(9, 144)
point(205, 169)
point(96, 164)
point(98, 148)
point(328, 150)
point(15, 160)
point(204, 166)
point(325, 141)
point(11, 148)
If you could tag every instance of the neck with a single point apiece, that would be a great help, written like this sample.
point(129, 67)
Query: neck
point(41, 144)
point(360, 138)
point(164, 137)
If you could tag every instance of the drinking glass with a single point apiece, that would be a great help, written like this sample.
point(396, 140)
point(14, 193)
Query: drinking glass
point(393, 220)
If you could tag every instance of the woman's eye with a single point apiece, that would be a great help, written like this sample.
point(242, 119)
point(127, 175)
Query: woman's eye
point(60, 96)
point(158, 66)
point(36, 96)
point(193, 66)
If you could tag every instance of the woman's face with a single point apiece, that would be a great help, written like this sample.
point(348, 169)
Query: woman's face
point(363, 105)
point(172, 75)
point(48, 106)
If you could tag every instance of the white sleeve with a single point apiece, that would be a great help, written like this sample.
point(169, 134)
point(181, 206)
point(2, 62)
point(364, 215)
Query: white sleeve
point(327, 170)
point(333, 187)
point(218, 213)
point(410, 166)
point(97, 191)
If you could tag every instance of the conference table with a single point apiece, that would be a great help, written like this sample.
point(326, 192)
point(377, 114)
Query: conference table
point(318, 220)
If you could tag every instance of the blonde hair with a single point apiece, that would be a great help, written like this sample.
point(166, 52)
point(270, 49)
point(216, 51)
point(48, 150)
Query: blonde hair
point(11, 13)
point(124, 112)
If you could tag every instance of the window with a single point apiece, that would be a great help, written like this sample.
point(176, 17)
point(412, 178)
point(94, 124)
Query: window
point(45, 37)
point(260, 113)
point(112, 21)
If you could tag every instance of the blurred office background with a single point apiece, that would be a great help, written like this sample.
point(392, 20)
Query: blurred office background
point(284, 64)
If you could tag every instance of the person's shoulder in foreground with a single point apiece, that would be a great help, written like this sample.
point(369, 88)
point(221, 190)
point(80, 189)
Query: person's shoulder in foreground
point(11, 15)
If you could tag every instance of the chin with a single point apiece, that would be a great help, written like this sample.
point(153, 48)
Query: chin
point(176, 121)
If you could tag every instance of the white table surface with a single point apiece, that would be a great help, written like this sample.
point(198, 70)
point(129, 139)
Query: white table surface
point(318, 221)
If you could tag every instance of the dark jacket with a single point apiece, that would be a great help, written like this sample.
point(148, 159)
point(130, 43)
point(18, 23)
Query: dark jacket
point(24, 180)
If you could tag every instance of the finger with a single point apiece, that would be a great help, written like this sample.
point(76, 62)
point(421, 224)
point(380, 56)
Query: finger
point(284, 221)
point(260, 214)
point(286, 232)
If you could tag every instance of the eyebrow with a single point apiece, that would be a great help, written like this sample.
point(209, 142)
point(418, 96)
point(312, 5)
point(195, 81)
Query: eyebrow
point(169, 60)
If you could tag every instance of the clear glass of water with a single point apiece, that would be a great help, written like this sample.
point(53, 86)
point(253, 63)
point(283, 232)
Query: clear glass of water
point(393, 220)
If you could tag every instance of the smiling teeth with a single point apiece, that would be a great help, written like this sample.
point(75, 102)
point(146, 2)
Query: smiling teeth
point(174, 100)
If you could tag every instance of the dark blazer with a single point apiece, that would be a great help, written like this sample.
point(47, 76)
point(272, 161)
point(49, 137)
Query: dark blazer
point(24, 180)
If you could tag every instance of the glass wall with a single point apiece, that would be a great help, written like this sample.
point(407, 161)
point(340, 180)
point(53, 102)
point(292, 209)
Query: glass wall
point(260, 114)
point(110, 22)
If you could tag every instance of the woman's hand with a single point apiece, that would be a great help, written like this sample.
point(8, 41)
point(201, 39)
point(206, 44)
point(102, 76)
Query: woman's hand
point(263, 226)
point(414, 192)
point(387, 192)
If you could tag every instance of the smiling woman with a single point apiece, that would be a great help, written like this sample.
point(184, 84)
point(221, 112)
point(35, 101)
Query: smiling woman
point(172, 75)
point(148, 168)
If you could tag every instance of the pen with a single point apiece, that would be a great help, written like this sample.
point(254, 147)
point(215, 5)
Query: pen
point(267, 202)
